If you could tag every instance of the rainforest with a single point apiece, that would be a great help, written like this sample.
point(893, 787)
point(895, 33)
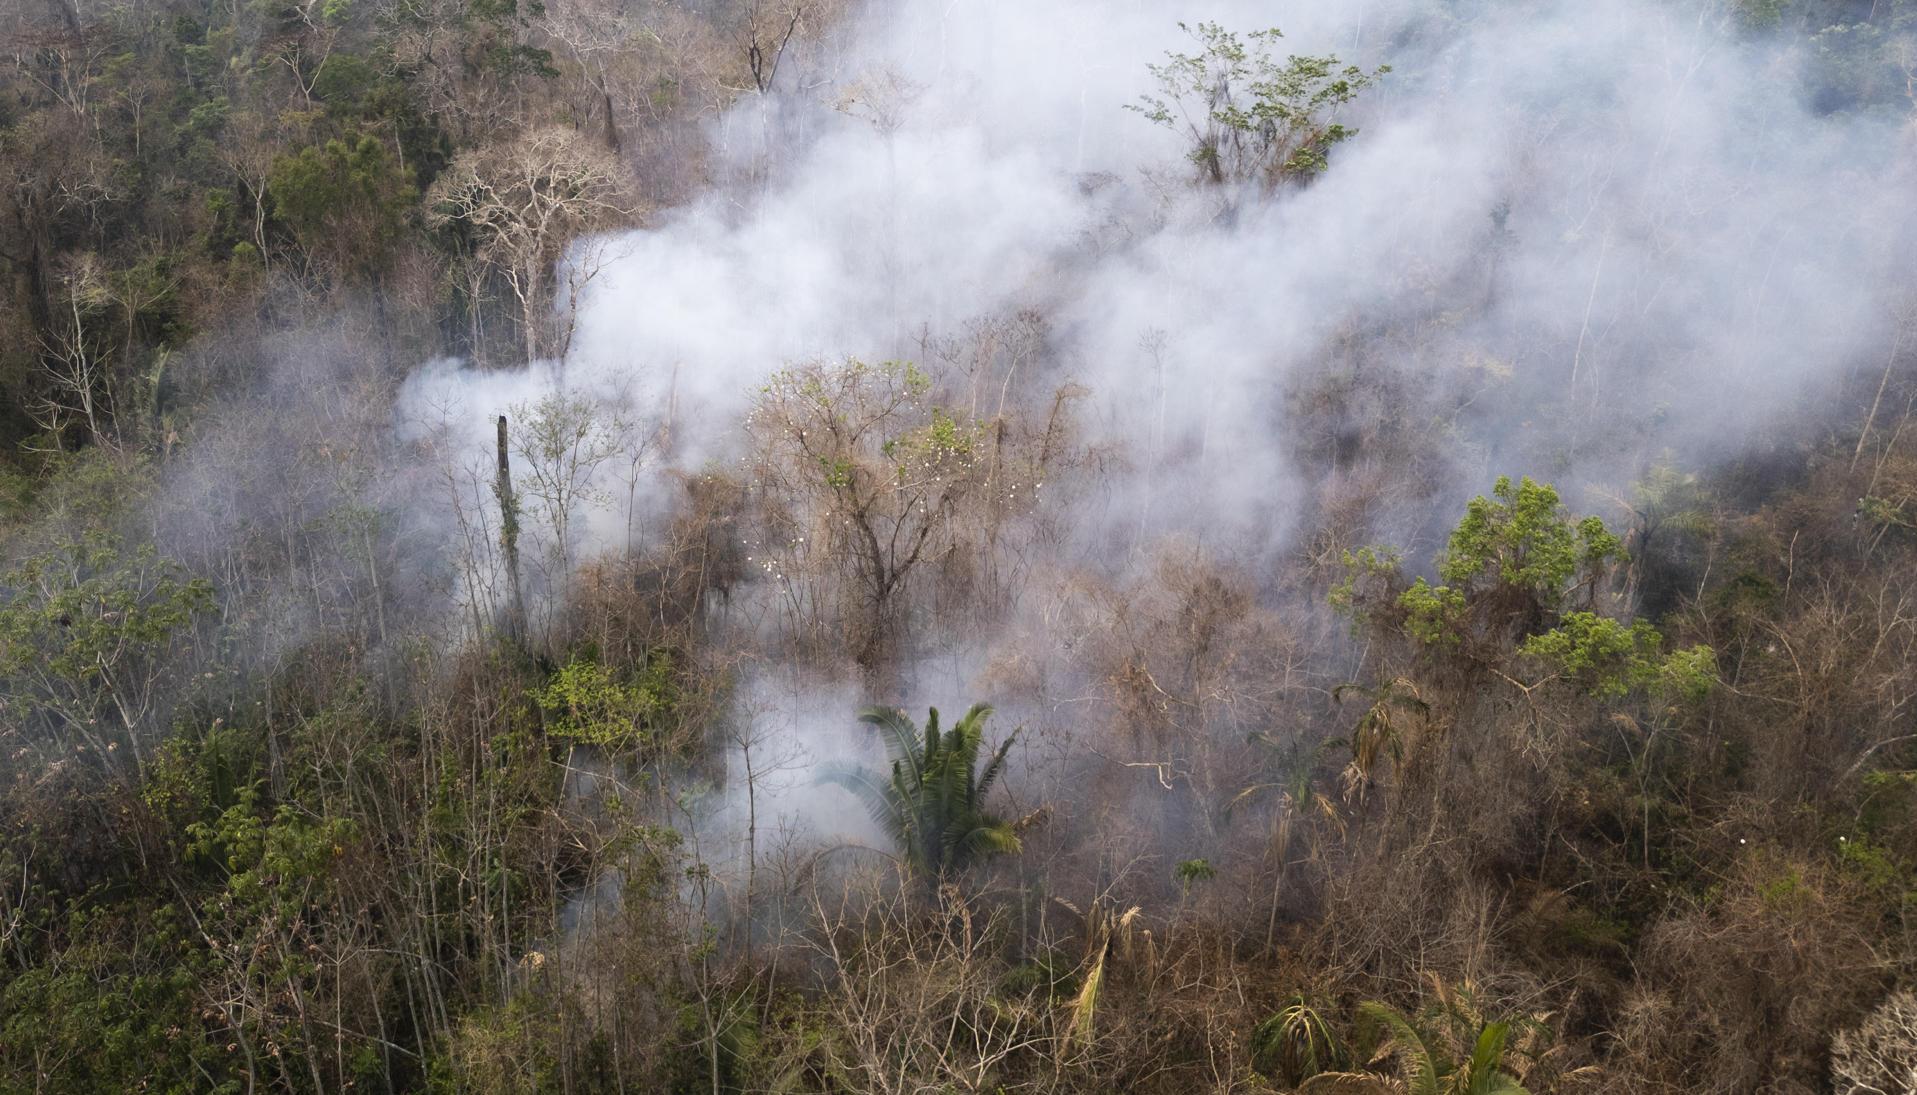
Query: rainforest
point(958, 546)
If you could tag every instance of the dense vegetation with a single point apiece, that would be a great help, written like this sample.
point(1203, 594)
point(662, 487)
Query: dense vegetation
point(301, 790)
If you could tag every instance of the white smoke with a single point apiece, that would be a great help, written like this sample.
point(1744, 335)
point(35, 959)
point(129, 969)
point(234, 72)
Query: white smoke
point(1677, 225)
point(1585, 235)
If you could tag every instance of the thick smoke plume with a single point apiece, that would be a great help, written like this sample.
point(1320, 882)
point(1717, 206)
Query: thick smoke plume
point(1573, 239)
point(1596, 236)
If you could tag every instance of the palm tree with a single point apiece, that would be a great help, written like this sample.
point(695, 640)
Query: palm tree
point(1449, 1048)
point(1301, 805)
point(931, 802)
point(1298, 1044)
point(1425, 1056)
point(1397, 712)
point(1109, 934)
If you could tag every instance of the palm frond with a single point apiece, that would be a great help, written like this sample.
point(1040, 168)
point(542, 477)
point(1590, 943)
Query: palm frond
point(1350, 1083)
point(996, 766)
point(1299, 1041)
point(1485, 1055)
point(1248, 792)
point(880, 799)
point(932, 806)
point(901, 737)
point(1085, 1006)
point(1499, 1083)
point(1390, 1034)
point(997, 838)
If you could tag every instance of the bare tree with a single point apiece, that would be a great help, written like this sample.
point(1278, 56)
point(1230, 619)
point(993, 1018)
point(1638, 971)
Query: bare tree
point(862, 478)
point(521, 202)
point(74, 359)
point(1880, 1054)
point(915, 995)
point(563, 439)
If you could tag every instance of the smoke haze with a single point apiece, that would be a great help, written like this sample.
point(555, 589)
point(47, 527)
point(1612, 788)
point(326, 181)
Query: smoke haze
point(1601, 241)
point(1575, 239)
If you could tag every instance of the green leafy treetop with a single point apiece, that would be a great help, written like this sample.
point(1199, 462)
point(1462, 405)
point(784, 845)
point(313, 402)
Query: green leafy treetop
point(346, 201)
point(588, 703)
point(1250, 118)
point(1513, 559)
point(1610, 659)
point(1520, 575)
point(1514, 562)
point(88, 632)
point(931, 802)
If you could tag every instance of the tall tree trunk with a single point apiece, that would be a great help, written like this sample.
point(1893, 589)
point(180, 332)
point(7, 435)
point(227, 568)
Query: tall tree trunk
point(509, 539)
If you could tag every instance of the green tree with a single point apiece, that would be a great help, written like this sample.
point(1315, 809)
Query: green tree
point(268, 930)
point(86, 636)
point(587, 703)
point(115, 1007)
point(1515, 558)
point(1519, 575)
point(1511, 566)
point(1608, 658)
point(932, 801)
point(345, 202)
point(1249, 117)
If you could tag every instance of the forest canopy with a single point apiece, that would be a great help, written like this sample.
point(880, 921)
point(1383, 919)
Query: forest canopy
point(1412, 509)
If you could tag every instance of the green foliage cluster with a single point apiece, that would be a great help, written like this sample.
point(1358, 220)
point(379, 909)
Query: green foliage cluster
point(1448, 1047)
point(1251, 118)
point(1514, 554)
point(1518, 575)
point(86, 630)
point(932, 801)
point(1520, 537)
point(1429, 1065)
point(118, 1010)
point(587, 703)
point(1610, 659)
point(350, 200)
point(944, 436)
point(76, 610)
point(1190, 872)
